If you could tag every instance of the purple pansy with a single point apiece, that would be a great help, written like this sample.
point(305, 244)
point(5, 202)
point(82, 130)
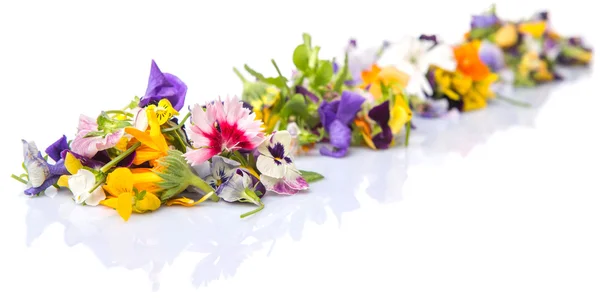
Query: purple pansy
point(492, 56)
point(278, 171)
point(238, 187)
point(484, 21)
point(164, 85)
point(381, 115)
point(335, 118)
point(41, 174)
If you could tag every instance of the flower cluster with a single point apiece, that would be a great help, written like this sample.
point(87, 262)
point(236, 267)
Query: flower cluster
point(141, 157)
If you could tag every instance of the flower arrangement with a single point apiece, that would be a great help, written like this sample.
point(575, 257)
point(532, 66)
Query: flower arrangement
point(143, 156)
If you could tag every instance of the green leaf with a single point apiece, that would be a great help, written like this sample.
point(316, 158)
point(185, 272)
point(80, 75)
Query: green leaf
point(295, 106)
point(324, 73)
point(314, 58)
point(254, 73)
point(301, 57)
point(307, 40)
point(280, 82)
point(311, 176)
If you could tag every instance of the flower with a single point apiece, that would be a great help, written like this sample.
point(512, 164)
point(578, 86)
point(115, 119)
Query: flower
point(41, 175)
point(469, 63)
point(153, 141)
point(358, 61)
point(507, 36)
point(381, 115)
point(387, 76)
point(164, 86)
point(336, 117)
point(89, 141)
point(124, 197)
point(80, 181)
point(492, 56)
point(462, 91)
point(243, 187)
point(278, 172)
point(414, 56)
point(400, 114)
point(535, 29)
point(484, 21)
point(221, 169)
point(164, 111)
point(224, 126)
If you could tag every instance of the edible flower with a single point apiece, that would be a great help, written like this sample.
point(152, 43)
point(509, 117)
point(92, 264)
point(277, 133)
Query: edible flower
point(278, 171)
point(89, 141)
point(225, 126)
point(153, 141)
point(388, 76)
point(244, 187)
point(336, 117)
point(469, 63)
point(40, 174)
point(81, 181)
point(124, 197)
point(164, 86)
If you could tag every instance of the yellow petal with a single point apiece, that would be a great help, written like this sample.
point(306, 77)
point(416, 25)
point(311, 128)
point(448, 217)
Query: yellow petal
point(368, 140)
point(111, 202)
point(124, 205)
point(149, 203)
point(142, 137)
point(119, 181)
point(72, 164)
point(165, 111)
point(63, 181)
point(147, 176)
point(155, 133)
point(186, 202)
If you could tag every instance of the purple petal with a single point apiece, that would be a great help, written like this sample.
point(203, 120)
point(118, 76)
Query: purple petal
point(431, 38)
point(303, 91)
point(49, 182)
point(336, 67)
point(350, 104)
point(484, 21)
point(88, 162)
point(335, 153)
point(164, 85)
point(383, 139)
point(103, 157)
point(381, 113)
point(340, 134)
point(327, 111)
point(58, 169)
point(54, 150)
point(492, 56)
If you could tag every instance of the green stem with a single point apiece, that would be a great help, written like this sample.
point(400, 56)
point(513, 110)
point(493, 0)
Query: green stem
point(237, 72)
point(262, 206)
point(281, 76)
point(514, 102)
point(181, 123)
point(204, 186)
point(18, 179)
point(118, 112)
point(241, 158)
point(120, 157)
point(407, 137)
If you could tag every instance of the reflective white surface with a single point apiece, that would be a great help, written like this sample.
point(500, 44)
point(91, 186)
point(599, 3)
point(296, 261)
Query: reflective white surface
point(498, 203)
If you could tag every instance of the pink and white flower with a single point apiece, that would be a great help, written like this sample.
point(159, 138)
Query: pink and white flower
point(91, 145)
point(224, 126)
point(278, 172)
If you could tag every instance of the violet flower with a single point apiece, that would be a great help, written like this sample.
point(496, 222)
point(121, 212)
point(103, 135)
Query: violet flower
point(381, 115)
point(164, 85)
point(336, 117)
point(492, 56)
point(484, 21)
point(41, 174)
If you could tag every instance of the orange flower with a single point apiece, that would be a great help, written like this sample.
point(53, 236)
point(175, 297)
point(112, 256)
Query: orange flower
point(153, 142)
point(365, 131)
point(469, 63)
point(388, 76)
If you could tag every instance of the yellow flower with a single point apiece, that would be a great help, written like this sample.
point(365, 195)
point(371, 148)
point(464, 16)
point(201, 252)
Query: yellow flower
point(388, 76)
point(400, 114)
point(506, 36)
point(124, 197)
point(153, 142)
point(365, 131)
point(164, 111)
point(73, 165)
point(444, 82)
point(535, 29)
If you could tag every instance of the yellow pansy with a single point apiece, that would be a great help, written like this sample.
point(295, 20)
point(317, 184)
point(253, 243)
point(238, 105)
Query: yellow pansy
point(443, 81)
point(123, 197)
point(535, 29)
point(400, 114)
point(73, 165)
point(387, 76)
point(153, 142)
point(164, 111)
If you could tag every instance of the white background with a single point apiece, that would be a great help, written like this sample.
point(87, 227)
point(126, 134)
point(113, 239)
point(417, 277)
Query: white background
point(501, 203)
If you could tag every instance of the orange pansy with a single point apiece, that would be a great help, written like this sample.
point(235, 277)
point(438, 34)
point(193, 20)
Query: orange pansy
point(469, 63)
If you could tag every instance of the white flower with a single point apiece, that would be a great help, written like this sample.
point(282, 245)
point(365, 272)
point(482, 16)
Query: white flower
point(414, 57)
point(81, 183)
point(278, 172)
